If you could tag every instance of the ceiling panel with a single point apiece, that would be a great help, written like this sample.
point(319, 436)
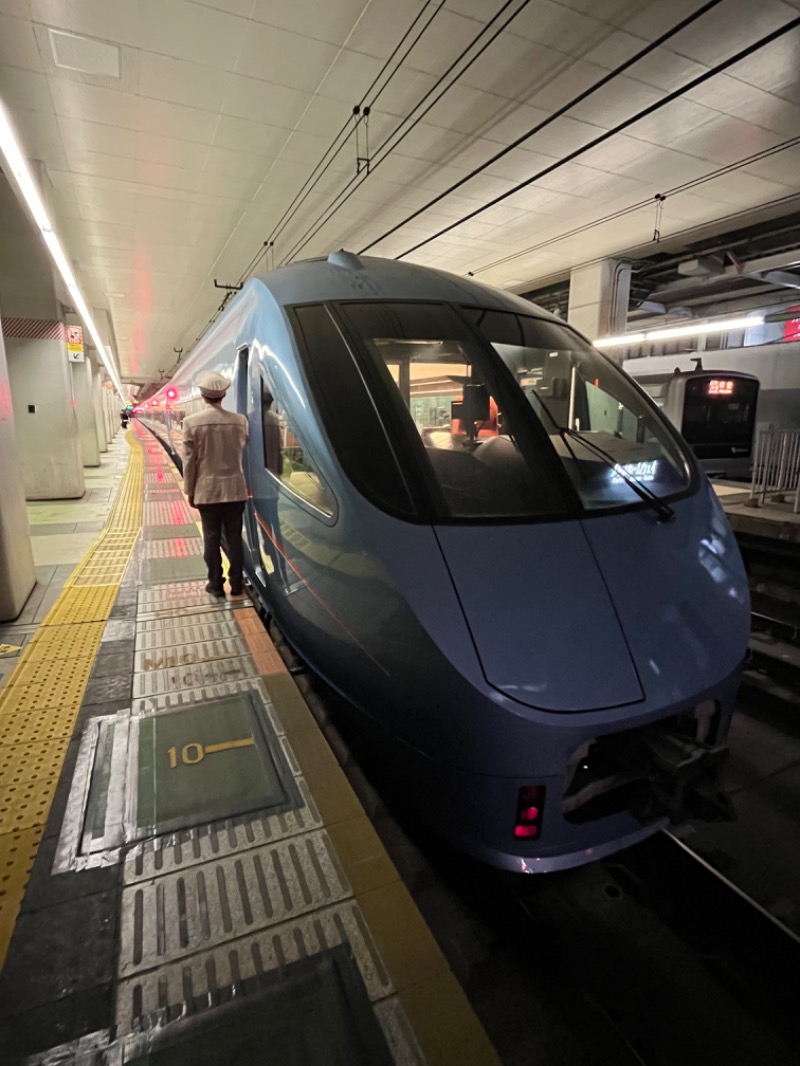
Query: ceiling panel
point(178, 171)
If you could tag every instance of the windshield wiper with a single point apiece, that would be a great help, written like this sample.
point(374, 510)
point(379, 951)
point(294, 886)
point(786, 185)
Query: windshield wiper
point(664, 512)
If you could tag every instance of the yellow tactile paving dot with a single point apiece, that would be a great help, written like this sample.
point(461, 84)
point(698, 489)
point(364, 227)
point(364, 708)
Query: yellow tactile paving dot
point(25, 806)
point(17, 853)
point(63, 676)
point(31, 762)
point(38, 711)
point(59, 642)
point(82, 605)
point(23, 727)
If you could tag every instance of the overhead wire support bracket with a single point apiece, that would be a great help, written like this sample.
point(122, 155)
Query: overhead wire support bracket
point(362, 161)
point(229, 288)
point(659, 198)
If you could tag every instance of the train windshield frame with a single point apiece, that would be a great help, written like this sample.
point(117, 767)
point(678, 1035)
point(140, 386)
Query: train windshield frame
point(453, 387)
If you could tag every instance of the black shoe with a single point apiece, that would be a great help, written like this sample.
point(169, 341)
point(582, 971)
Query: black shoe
point(237, 592)
point(218, 592)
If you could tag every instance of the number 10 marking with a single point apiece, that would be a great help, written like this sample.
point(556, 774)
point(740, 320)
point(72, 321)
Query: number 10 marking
point(193, 753)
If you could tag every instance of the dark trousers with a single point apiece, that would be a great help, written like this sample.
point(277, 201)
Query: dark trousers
point(219, 519)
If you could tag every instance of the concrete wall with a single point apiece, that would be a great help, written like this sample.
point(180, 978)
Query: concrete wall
point(48, 438)
point(17, 572)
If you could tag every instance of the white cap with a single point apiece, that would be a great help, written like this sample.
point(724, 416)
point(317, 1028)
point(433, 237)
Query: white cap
point(212, 386)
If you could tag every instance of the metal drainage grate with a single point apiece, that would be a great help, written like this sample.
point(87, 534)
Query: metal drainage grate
point(194, 675)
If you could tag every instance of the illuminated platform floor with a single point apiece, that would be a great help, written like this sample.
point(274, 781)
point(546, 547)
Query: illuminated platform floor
point(188, 875)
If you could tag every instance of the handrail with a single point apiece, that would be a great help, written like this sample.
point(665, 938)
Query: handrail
point(776, 468)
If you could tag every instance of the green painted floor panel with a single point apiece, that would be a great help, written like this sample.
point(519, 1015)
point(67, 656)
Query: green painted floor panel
point(312, 1013)
point(208, 762)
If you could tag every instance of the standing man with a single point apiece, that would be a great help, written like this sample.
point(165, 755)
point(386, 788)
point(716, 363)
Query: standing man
point(213, 440)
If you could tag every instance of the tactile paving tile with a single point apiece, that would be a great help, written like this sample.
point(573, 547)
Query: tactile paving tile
point(91, 604)
point(226, 967)
point(163, 514)
point(178, 548)
point(179, 914)
point(17, 853)
point(64, 642)
point(193, 847)
point(25, 805)
point(188, 654)
point(32, 699)
point(31, 762)
point(63, 676)
point(195, 675)
point(166, 632)
point(170, 570)
point(171, 701)
point(167, 532)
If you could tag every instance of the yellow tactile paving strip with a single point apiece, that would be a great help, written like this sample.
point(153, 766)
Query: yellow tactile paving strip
point(41, 700)
point(443, 1021)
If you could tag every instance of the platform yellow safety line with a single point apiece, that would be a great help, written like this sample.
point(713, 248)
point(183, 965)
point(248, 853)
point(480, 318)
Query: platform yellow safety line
point(40, 702)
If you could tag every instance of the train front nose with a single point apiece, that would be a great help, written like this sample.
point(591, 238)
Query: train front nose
point(544, 627)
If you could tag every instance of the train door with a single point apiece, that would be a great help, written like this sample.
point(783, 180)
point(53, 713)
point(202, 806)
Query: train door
point(243, 406)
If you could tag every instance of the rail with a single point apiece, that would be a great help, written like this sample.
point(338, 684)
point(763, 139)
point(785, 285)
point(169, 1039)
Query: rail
point(776, 469)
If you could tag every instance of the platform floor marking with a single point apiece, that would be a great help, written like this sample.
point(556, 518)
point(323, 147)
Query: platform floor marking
point(226, 966)
point(178, 914)
point(41, 700)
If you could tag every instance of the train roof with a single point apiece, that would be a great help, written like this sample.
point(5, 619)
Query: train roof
point(346, 276)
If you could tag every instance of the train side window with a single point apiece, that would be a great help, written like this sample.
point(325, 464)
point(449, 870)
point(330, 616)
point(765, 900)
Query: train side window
point(285, 456)
point(353, 427)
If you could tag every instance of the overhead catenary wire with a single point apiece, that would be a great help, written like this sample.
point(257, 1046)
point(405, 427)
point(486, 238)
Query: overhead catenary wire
point(559, 113)
point(348, 128)
point(355, 182)
point(644, 113)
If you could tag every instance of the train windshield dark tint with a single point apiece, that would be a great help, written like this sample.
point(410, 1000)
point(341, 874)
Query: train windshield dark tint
point(440, 380)
point(602, 429)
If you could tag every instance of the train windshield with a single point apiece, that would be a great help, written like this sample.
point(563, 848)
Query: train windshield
point(608, 438)
point(501, 422)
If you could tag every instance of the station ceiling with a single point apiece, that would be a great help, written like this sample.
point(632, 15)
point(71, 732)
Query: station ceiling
point(194, 140)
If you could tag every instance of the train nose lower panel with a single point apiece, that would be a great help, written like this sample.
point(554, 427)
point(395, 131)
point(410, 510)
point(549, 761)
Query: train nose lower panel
point(544, 627)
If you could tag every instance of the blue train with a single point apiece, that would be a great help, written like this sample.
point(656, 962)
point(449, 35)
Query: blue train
point(484, 535)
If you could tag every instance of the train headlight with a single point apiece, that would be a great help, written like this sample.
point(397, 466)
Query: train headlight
point(530, 808)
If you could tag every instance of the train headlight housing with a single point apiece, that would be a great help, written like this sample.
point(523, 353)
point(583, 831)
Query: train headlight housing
point(530, 809)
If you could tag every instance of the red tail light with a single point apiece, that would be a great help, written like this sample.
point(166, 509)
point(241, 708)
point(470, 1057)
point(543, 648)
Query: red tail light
point(530, 808)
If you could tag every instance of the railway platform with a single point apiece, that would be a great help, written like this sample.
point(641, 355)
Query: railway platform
point(185, 872)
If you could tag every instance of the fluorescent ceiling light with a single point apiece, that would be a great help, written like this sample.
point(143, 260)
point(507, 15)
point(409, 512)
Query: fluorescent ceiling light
point(695, 329)
point(19, 170)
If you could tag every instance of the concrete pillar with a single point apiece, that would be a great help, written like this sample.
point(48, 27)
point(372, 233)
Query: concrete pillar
point(17, 572)
point(111, 420)
point(44, 412)
point(598, 298)
point(99, 414)
point(83, 392)
point(36, 354)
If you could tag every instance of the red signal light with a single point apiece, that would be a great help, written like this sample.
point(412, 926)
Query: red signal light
point(172, 394)
point(530, 808)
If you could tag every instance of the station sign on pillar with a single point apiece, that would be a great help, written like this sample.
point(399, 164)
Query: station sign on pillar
point(82, 393)
point(598, 299)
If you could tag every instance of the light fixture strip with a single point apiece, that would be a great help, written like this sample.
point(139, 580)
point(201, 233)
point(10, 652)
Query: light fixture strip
point(18, 168)
point(672, 332)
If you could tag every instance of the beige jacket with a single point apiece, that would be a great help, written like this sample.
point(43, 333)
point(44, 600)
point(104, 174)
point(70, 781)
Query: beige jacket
point(213, 440)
